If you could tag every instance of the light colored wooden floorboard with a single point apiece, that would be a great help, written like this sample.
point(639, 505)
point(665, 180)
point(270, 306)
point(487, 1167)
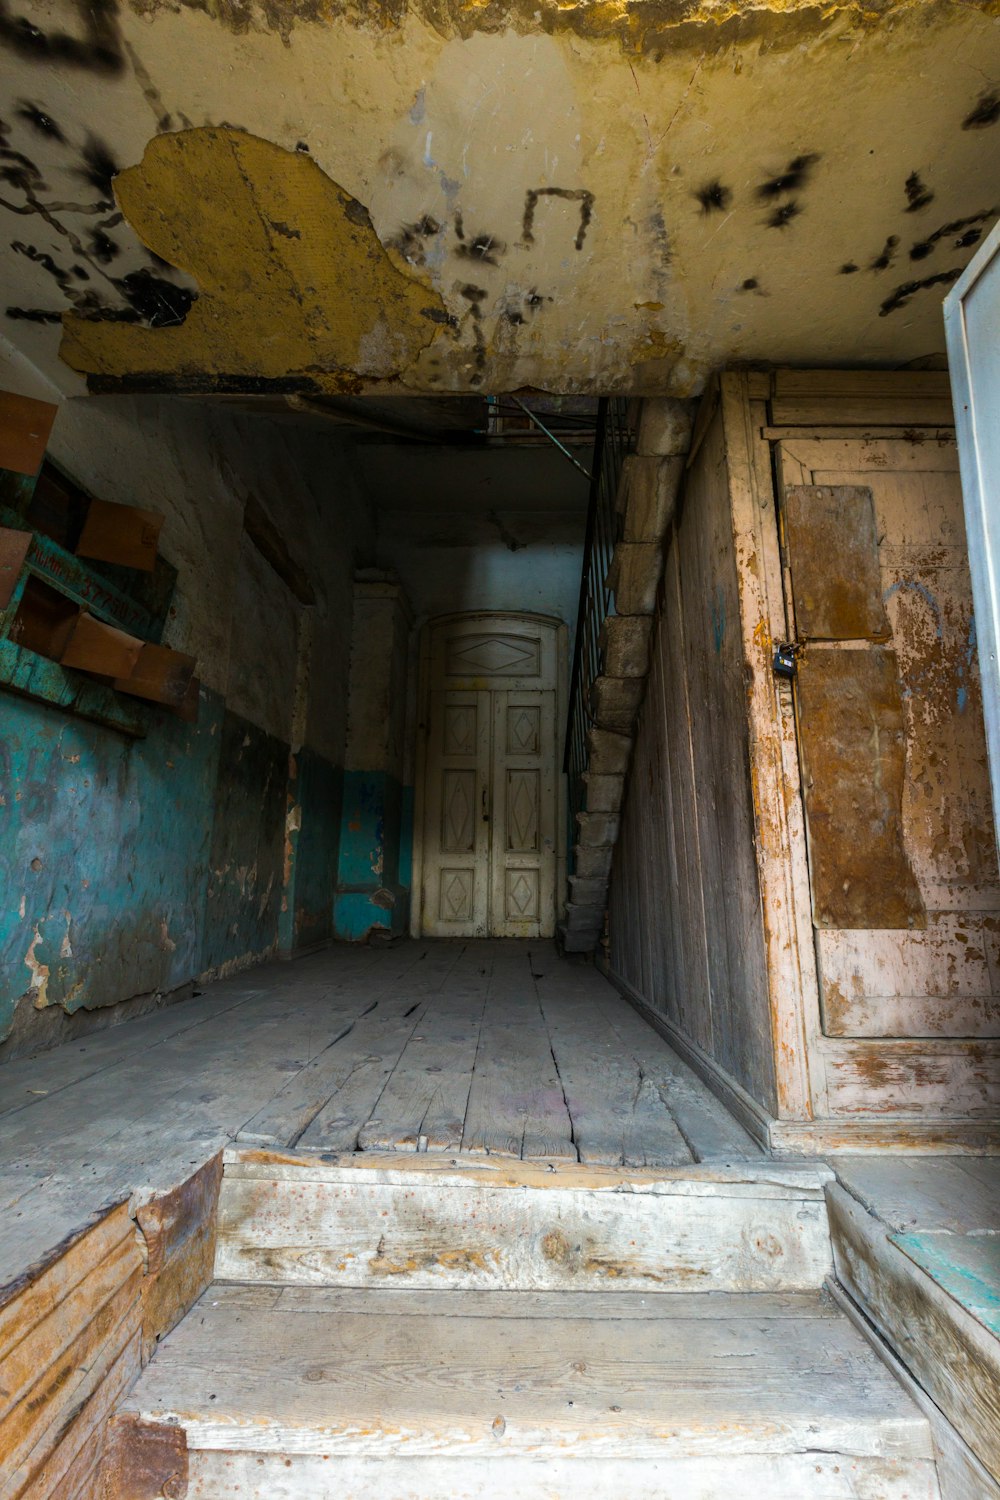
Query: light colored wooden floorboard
point(436, 1382)
point(292, 1109)
point(28, 1080)
point(612, 1307)
point(707, 1126)
point(141, 1106)
point(516, 1104)
point(423, 1103)
point(956, 1194)
point(952, 1355)
point(820, 1476)
point(372, 1052)
point(364, 1063)
point(453, 1227)
point(618, 1116)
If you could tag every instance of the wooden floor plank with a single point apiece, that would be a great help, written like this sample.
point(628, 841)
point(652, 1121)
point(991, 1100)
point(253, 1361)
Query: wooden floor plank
point(439, 1224)
point(957, 1195)
point(361, 1065)
point(948, 1350)
point(287, 1115)
point(516, 1104)
point(139, 1107)
point(605, 1306)
point(423, 1103)
point(967, 1266)
point(707, 1126)
point(28, 1080)
point(619, 1117)
point(440, 1381)
point(371, 1052)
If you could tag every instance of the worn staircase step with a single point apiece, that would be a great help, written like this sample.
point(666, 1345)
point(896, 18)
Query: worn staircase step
point(489, 1222)
point(272, 1393)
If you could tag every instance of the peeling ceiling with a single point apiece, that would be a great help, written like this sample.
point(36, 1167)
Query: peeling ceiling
point(320, 198)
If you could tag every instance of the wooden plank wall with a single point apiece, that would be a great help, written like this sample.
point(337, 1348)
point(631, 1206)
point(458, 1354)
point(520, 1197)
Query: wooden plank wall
point(76, 1329)
point(713, 815)
point(685, 915)
point(70, 1346)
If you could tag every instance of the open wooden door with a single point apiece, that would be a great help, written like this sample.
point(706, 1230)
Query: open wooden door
point(490, 803)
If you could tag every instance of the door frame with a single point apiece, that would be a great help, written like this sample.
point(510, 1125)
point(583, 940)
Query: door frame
point(975, 409)
point(495, 618)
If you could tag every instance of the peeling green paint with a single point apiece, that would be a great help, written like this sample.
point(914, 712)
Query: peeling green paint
point(322, 799)
point(132, 866)
point(371, 892)
point(967, 1266)
point(104, 845)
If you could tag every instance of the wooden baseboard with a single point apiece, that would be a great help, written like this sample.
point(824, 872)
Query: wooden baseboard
point(923, 1137)
point(744, 1109)
point(825, 1137)
point(960, 1474)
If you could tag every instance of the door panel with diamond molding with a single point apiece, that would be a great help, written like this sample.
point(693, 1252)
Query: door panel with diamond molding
point(457, 808)
point(490, 801)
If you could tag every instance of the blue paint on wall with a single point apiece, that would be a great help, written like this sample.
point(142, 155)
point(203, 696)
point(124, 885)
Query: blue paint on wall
point(719, 618)
point(104, 854)
point(968, 666)
point(319, 789)
point(130, 866)
point(406, 839)
point(370, 892)
point(967, 1266)
point(914, 586)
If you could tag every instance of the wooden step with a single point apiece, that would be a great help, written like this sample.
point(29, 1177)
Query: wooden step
point(491, 1223)
point(270, 1393)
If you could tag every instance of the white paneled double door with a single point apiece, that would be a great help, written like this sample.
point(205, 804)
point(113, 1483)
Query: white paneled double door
point(489, 859)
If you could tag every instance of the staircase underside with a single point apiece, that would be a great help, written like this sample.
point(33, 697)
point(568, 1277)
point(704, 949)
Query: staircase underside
point(646, 497)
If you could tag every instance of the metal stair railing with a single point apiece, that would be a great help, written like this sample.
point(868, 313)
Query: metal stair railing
point(612, 444)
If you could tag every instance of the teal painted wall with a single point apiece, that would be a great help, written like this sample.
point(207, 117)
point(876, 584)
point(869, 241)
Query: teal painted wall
point(318, 790)
point(132, 863)
point(129, 866)
point(370, 890)
point(406, 839)
point(104, 854)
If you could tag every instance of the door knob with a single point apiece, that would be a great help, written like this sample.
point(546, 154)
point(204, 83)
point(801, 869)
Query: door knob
point(486, 810)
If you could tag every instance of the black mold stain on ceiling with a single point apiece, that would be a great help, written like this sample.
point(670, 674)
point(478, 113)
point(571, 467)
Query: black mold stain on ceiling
point(985, 113)
point(791, 180)
point(98, 168)
point(39, 121)
point(98, 50)
point(713, 197)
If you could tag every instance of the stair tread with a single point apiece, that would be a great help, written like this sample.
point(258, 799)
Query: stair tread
point(494, 1223)
point(392, 1372)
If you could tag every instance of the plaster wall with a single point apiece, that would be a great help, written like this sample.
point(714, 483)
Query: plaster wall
point(373, 874)
point(130, 867)
point(434, 196)
point(500, 529)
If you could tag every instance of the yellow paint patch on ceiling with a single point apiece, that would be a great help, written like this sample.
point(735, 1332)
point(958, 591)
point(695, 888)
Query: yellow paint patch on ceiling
point(648, 27)
point(293, 282)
